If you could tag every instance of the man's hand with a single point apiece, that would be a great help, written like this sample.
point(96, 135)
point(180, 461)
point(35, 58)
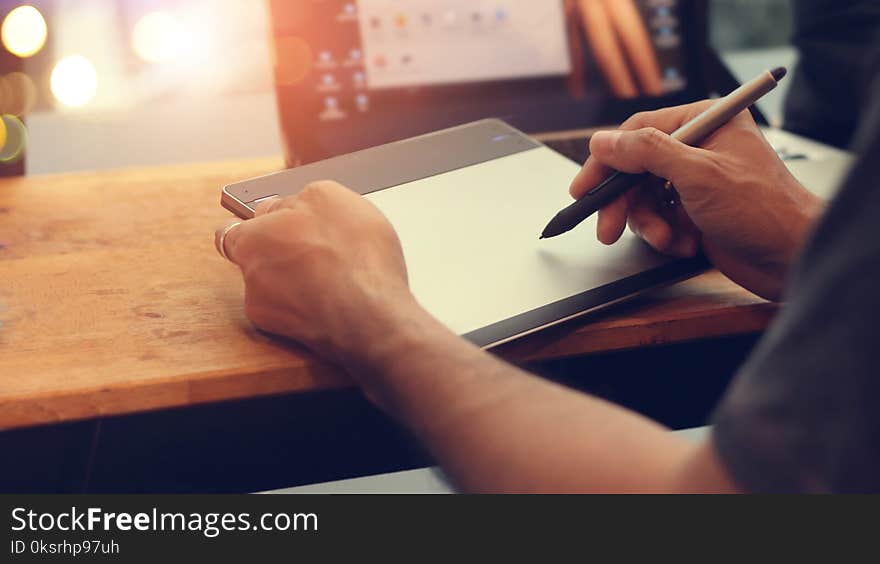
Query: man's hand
point(740, 204)
point(324, 268)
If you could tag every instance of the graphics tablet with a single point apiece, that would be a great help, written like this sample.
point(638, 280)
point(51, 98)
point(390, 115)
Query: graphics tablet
point(469, 204)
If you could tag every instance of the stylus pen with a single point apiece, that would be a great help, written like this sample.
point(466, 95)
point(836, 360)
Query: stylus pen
point(692, 133)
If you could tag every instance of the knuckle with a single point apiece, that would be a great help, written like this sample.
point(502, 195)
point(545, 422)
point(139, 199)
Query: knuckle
point(257, 297)
point(652, 137)
point(279, 204)
point(321, 192)
point(310, 191)
point(320, 187)
point(640, 117)
point(317, 189)
point(647, 140)
point(637, 120)
point(318, 257)
point(237, 242)
point(253, 308)
point(251, 274)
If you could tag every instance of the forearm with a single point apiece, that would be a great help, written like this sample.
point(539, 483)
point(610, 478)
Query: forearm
point(494, 427)
point(796, 227)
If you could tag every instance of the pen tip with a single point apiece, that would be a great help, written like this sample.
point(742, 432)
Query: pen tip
point(779, 73)
point(541, 237)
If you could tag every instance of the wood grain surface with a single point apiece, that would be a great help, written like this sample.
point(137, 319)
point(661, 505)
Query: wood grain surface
point(113, 301)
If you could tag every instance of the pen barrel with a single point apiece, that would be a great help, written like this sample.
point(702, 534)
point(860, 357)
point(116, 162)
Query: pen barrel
point(605, 193)
point(704, 125)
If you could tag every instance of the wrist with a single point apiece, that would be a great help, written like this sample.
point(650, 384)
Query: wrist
point(797, 226)
point(805, 217)
point(814, 209)
point(411, 354)
point(386, 330)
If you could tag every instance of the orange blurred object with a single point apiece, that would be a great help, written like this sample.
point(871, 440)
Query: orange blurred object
point(21, 92)
point(603, 40)
point(294, 60)
point(637, 43)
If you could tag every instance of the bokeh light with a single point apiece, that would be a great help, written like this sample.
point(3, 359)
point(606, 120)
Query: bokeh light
point(74, 81)
point(24, 31)
point(14, 139)
point(158, 37)
point(19, 94)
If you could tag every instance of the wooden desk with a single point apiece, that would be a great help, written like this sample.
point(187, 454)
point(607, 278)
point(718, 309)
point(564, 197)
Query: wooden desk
point(112, 302)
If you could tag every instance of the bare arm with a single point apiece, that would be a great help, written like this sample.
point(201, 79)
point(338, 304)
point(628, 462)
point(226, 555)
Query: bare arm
point(495, 428)
point(337, 283)
point(340, 288)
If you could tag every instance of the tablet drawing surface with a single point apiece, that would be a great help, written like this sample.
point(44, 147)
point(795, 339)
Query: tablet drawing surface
point(469, 230)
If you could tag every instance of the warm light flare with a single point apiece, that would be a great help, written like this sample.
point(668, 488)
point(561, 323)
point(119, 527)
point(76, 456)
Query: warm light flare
point(24, 31)
point(159, 37)
point(74, 81)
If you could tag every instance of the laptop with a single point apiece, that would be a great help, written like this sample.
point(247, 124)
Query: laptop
point(351, 75)
point(357, 74)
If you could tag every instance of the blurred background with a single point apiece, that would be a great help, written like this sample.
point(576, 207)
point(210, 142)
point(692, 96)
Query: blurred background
point(116, 83)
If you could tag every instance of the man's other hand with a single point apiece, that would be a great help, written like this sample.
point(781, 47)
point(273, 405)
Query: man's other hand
point(739, 203)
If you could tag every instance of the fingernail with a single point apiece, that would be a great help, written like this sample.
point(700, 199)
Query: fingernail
point(605, 140)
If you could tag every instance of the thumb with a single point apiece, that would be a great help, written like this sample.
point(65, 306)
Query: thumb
point(649, 150)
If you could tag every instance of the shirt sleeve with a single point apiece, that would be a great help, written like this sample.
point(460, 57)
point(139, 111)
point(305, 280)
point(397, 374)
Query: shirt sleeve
point(803, 414)
point(830, 87)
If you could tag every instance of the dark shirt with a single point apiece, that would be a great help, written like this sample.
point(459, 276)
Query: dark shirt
point(803, 415)
point(836, 40)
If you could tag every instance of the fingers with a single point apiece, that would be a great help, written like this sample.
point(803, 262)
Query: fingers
point(308, 193)
point(663, 229)
point(666, 228)
point(225, 239)
point(325, 189)
point(612, 221)
point(650, 150)
point(228, 237)
point(590, 176)
point(594, 171)
point(647, 223)
point(268, 206)
point(610, 150)
point(639, 209)
point(667, 119)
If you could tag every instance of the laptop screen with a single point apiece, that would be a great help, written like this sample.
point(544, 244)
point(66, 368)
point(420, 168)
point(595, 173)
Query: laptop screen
point(353, 74)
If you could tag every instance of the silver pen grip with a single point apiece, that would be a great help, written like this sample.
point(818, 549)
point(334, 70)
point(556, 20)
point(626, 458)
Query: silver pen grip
point(725, 109)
